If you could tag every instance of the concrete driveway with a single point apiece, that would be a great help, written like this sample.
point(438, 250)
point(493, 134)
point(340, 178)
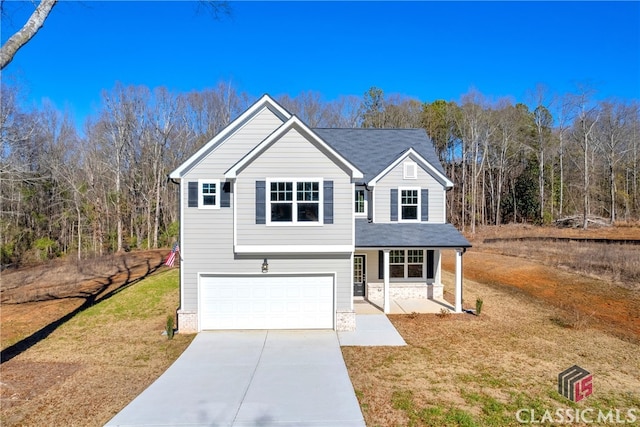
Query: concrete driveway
point(251, 378)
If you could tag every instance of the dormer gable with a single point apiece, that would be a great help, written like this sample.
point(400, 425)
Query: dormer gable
point(410, 161)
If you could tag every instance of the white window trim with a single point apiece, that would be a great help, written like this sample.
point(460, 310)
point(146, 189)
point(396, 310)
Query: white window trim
point(406, 267)
point(410, 170)
point(294, 216)
point(201, 204)
point(419, 210)
point(366, 203)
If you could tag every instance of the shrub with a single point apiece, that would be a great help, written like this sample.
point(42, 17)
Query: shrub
point(169, 327)
point(444, 313)
point(478, 306)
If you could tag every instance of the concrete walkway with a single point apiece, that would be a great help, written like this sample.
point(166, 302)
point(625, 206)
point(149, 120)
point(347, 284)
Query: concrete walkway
point(251, 378)
point(372, 330)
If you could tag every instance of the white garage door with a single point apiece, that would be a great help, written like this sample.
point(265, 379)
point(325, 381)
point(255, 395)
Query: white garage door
point(266, 302)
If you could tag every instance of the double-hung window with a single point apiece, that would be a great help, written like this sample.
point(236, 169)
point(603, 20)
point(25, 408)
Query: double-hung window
point(295, 201)
point(209, 194)
point(410, 204)
point(360, 202)
point(406, 264)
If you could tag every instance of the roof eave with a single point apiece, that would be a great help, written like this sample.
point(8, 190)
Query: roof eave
point(264, 102)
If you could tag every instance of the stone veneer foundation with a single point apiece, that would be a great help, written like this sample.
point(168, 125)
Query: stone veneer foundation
point(187, 322)
point(375, 291)
point(346, 321)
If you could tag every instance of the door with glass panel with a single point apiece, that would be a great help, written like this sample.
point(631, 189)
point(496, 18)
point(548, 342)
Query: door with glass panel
point(359, 276)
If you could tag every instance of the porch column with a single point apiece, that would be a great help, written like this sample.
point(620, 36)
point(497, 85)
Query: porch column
point(458, 301)
point(387, 303)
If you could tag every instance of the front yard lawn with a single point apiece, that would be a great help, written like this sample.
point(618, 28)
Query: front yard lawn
point(479, 371)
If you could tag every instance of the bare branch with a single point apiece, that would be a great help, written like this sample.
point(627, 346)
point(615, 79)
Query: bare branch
point(26, 33)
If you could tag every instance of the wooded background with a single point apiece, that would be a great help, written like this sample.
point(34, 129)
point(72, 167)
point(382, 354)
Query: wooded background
point(104, 188)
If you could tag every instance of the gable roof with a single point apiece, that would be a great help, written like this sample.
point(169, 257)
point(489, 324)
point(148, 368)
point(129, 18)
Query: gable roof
point(374, 150)
point(294, 123)
point(205, 150)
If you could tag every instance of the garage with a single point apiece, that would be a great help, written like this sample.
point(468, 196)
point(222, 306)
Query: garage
point(266, 302)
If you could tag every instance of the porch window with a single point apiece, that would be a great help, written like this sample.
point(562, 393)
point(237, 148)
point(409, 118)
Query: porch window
point(299, 206)
point(396, 264)
point(409, 203)
point(406, 264)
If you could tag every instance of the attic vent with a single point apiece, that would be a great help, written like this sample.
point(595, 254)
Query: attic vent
point(410, 170)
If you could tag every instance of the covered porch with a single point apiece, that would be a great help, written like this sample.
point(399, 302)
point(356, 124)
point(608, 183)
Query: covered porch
point(397, 267)
point(402, 306)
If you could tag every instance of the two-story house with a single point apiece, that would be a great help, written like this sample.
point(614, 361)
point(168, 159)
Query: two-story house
point(282, 226)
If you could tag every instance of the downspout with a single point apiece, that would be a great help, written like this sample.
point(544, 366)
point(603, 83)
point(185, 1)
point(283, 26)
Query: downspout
point(180, 253)
point(369, 204)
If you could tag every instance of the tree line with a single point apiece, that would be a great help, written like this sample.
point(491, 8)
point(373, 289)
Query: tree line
point(66, 193)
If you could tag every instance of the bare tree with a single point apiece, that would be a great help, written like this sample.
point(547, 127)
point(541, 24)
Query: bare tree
point(26, 33)
point(563, 115)
point(586, 119)
point(611, 135)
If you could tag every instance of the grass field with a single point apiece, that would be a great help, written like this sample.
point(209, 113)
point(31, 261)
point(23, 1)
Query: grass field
point(93, 365)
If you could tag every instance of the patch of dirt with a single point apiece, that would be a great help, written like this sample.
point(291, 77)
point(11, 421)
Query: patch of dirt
point(584, 299)
point(24, 380)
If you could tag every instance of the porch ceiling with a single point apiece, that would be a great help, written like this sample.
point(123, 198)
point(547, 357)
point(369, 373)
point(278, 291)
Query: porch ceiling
point(402, 235)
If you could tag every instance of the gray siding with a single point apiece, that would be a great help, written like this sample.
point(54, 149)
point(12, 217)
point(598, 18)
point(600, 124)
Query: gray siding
point(236, 146)
point(395, 179)
point(294, 157)
point(207, 234)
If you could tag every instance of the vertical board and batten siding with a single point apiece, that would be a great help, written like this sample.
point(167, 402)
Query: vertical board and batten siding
point(395, 179)
point(208, 233)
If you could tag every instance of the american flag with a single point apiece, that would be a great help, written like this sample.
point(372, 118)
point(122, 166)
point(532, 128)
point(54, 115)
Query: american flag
point(171, 258)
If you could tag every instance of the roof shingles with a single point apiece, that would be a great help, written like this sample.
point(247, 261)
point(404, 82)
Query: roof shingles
point(407, 235)
point(372, 150)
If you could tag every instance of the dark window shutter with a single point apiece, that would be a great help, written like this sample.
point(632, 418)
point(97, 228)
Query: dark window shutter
point(394, 204)
point(328, 202)
point(193, 194)
point(424, 211)
point(430, 264)
point(380, 264)
point(225, 195)
point(261, 202)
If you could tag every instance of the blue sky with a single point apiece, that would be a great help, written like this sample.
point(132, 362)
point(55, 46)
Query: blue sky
point(426, 50)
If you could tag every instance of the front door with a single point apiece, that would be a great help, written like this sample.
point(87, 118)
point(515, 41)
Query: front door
point(359, 276)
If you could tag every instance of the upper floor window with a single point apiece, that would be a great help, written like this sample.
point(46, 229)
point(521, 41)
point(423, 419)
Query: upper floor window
point(360, 201)
point(409, 204)
point(294, 201)
point(209, 194)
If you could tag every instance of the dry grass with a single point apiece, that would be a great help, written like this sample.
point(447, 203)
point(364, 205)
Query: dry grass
point(97, 362)
point(615, 263)
point(467, 370)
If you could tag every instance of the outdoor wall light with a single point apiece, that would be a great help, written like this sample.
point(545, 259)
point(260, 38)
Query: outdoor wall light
point(265, 266)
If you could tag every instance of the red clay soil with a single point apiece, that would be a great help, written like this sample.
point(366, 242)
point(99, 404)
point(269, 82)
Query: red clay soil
point(585, 300)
